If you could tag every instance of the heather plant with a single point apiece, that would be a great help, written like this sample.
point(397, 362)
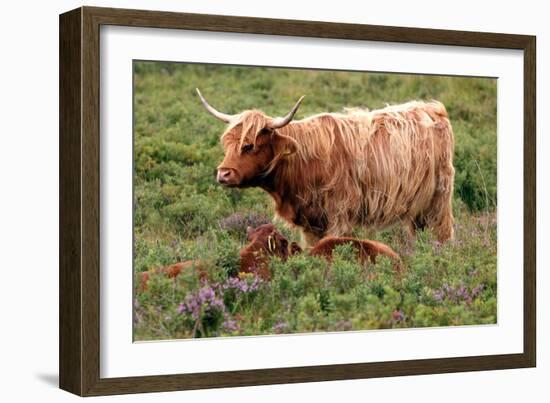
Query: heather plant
point(346, 272)
point(204, 310)
point(181, 213)
point(240, 291)
point(237, 223)
point(226, 253)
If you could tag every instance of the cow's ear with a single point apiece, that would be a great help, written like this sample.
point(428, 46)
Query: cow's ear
point(284, 145)
point(295, 248)
point(249, 231)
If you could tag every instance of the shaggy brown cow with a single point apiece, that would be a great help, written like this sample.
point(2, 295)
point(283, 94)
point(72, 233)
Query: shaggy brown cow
point(333, 170)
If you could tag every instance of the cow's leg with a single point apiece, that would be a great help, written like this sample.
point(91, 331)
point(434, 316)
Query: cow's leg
point(413, 225)
point(406, 237)
point(440, 217)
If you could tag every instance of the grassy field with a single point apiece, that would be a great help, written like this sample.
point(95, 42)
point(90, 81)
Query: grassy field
point(181, 212)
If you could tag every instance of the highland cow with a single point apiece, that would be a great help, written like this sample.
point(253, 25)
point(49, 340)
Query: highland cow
point(331, 171)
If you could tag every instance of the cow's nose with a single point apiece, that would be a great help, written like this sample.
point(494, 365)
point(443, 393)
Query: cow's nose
point(225, 175)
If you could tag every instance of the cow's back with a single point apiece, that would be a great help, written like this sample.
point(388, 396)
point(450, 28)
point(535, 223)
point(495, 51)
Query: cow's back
point(408, 147)
point(374, 168)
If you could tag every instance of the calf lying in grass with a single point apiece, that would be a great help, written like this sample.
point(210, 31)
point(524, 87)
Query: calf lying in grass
point(172, 272)
point(366, 249)
point(265, 242)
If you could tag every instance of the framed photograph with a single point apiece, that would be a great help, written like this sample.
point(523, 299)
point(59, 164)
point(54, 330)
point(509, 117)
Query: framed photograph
point(249, 201)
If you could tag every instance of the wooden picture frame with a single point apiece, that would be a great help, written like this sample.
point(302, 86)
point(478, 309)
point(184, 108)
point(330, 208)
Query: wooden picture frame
point(79, 201)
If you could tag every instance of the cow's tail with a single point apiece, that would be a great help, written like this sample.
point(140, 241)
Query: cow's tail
point(384, 249)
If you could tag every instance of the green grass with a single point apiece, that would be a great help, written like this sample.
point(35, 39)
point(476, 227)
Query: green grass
point(182, 213)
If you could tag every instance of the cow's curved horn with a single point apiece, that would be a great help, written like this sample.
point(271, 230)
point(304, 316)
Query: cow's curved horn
point(220, 115)
point(280, 122)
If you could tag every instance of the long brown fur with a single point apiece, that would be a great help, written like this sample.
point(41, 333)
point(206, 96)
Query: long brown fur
point(331, 171)
point(366, 249)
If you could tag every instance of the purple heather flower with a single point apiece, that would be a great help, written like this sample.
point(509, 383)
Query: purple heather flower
point(477, 290)
point(280, 327)
point(206, 294)
point(438, 295)
point(472, 272)
point(244, 285)
point(240, 221)
point(137, 318)
point(398, 316)
point(457, 294)
point(462, 293)
point(230, 325)
point(204, 300)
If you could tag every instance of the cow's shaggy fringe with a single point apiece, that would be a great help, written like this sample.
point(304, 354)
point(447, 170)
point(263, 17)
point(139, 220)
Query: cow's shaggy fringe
point(375, 168)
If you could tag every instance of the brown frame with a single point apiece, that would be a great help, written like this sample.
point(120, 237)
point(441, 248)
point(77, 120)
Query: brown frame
point(79, 323)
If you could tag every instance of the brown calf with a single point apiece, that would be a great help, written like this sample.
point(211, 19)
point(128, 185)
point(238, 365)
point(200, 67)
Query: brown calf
point(265, 242)
point(366, 249)
point(172, 272)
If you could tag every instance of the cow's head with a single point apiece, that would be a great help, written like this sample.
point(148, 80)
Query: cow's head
point(253, 145)
point(271, 241)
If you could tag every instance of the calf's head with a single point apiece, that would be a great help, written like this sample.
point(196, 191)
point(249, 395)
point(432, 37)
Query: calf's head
point(269, 240)
point(253, 144)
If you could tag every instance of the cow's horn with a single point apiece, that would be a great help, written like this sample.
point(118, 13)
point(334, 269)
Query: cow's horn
point(222, 116)
point(280, 122)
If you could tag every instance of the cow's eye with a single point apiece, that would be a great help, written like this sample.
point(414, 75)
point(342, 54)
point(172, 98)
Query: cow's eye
point(247, 147)
point(265, 130)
